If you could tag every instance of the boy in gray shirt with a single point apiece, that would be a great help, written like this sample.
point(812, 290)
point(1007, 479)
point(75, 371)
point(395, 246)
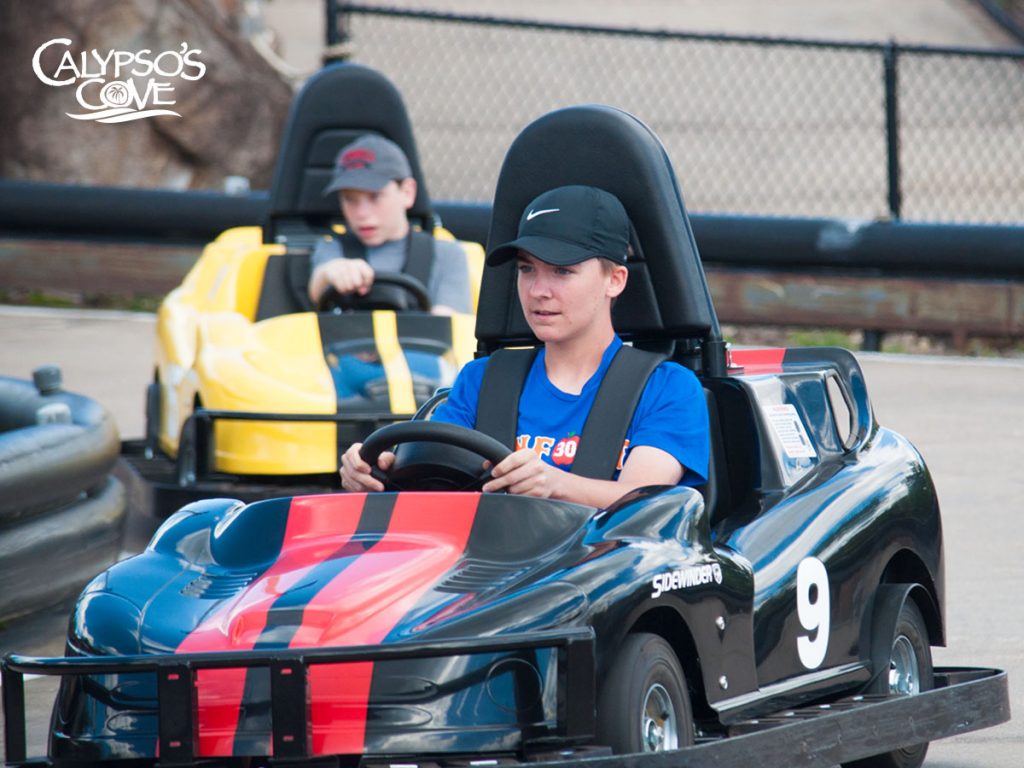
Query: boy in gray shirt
point(375, 188)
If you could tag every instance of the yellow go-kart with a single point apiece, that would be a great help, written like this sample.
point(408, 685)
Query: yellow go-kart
point(255, 390)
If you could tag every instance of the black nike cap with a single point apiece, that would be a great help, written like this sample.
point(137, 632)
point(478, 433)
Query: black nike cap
point(568, 225)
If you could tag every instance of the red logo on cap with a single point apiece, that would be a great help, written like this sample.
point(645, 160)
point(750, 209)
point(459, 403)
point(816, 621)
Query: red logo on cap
point(357, 158)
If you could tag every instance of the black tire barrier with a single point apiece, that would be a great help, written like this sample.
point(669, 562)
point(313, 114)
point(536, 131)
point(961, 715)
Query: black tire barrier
point(61, 511)
point(124, 214)
point(869, 248)
point(891, 248)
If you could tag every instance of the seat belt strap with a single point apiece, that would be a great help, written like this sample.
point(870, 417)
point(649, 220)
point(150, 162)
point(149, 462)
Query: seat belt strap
point(351, 246)
point(419, 253)
point(606, 426)
point(497, 410)
point(419, 256)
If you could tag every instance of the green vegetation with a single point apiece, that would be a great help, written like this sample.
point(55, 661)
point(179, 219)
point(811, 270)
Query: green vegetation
point(135, 303)
point(127, 303)
point(37, 299)
point(827, 337)
point(892, 343)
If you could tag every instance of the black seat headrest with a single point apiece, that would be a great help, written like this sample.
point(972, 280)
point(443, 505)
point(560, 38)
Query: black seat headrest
point(337, 105)
point(667, 296)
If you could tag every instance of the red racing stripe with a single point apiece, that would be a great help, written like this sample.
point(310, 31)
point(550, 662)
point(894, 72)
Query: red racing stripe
point(758, 360)
point(426, 537)
point(316, 528)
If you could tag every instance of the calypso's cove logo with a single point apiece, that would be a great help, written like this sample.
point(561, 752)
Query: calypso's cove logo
point(120, 86)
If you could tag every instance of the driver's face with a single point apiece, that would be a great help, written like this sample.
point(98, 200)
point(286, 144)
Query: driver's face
point(565, 303)
point(379, 217)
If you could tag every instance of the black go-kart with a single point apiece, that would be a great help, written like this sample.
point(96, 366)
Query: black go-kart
point(782, 614)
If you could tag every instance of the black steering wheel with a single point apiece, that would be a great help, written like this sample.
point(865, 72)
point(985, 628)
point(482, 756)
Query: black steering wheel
point(391, 290)
point(432, 456)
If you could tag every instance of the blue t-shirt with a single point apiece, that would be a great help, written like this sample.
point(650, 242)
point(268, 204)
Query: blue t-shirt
point(671, 415)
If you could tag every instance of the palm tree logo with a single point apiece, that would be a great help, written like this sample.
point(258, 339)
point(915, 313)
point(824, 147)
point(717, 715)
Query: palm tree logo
point(115, 95)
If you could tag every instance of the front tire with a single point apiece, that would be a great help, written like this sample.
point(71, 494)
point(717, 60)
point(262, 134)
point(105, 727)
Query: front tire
point(910, 672)
point(644, 705)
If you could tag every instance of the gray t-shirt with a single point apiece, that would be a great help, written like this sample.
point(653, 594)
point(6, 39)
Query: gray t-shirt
point(449, 277)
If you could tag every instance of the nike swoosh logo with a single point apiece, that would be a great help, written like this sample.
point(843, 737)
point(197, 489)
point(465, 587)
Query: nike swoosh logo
point(534, 214)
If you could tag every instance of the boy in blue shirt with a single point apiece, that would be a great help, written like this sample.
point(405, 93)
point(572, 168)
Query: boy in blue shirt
point(571, 253)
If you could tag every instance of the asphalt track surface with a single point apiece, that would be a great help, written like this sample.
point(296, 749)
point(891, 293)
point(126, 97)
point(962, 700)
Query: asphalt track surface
point(965, 415)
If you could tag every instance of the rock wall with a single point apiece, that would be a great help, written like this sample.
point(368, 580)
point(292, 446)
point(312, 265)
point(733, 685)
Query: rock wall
point(131, 56)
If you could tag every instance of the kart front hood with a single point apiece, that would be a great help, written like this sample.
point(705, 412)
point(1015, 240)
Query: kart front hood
point(342, 570)
point(348, 571)
point(336, 571)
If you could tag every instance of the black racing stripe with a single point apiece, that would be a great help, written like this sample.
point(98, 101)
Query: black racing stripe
point(285, 617)
point(350, 326)
point(518, 529)
point(496, 523)
point(427, 330)
point(285, 614)
point(351, 334)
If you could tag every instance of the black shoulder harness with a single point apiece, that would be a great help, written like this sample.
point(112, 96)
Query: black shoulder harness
point(609, 418)
point(419, 253)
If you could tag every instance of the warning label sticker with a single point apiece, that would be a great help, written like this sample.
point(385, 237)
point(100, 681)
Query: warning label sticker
point(790, 430)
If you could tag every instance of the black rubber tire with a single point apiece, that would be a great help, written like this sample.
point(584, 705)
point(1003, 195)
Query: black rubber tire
point(911, 627)
point(643, 662)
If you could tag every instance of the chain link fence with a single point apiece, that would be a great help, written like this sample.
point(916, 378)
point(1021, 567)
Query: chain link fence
point(753, 125)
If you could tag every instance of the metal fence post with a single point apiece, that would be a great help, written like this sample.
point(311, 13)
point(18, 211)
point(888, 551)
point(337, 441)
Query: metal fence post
point(872, 341)
point(333, 37)
point(892, 127)
point(338, 44)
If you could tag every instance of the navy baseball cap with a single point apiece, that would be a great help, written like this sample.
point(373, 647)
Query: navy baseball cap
point(568, 225)
point(368, 163)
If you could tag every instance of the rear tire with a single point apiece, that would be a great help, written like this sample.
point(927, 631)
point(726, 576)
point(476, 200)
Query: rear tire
point(644, 705)
point(909, 673)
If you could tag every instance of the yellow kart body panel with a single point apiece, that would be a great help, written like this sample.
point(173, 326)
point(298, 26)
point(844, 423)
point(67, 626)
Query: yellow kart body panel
point(213, 353)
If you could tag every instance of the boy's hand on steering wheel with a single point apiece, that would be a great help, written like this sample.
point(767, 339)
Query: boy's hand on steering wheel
point(524, 473)
point(349, 275)
point(355, 473)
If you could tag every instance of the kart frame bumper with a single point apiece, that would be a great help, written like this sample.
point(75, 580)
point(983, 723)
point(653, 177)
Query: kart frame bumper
point(291, 729)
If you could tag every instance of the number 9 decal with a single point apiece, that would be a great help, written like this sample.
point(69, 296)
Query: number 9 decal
point(814, 610)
